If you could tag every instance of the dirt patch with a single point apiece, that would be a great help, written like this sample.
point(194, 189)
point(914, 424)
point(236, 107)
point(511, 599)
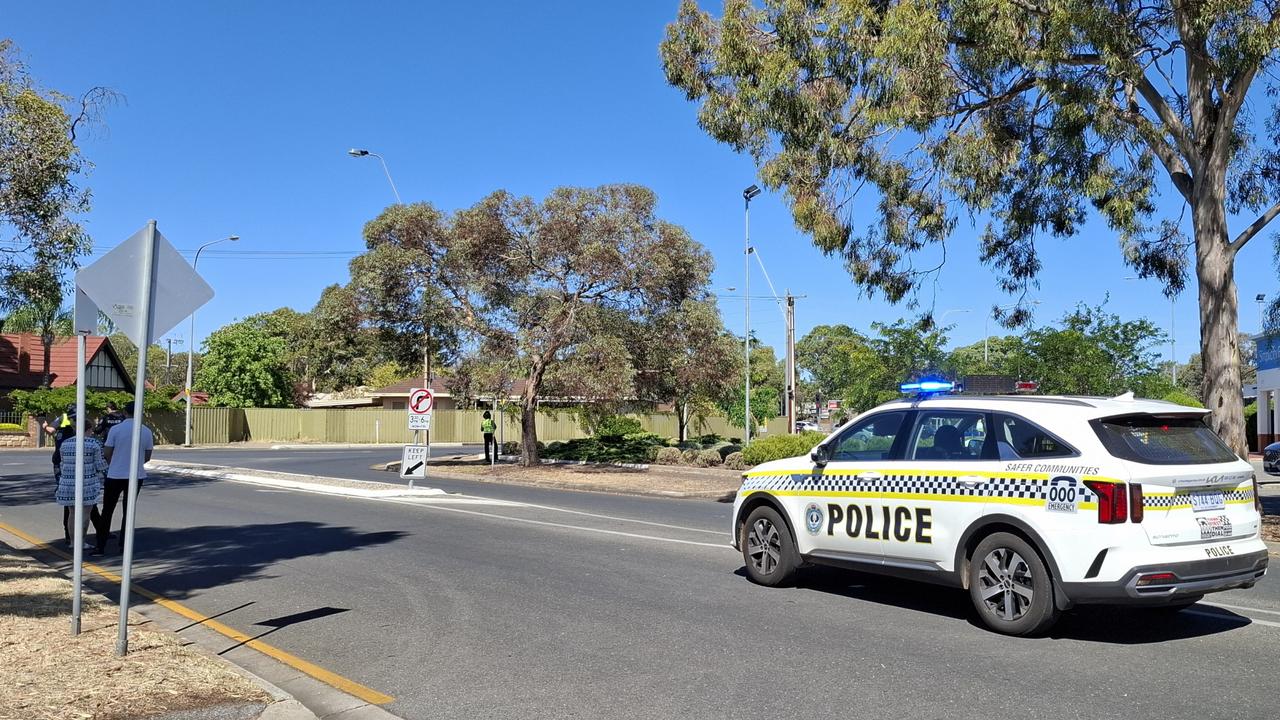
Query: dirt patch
point(49, 675)
point(656, 480)
point(1271, 528)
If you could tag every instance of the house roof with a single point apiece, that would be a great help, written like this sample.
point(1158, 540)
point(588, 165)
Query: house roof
point(438, 388)
point(22, 360)
point(198, 397)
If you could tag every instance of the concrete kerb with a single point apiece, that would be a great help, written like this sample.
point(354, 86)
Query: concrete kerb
point(357, 446)
point(293, 481)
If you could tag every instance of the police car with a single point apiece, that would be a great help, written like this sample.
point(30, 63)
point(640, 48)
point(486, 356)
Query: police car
point(1032, 504)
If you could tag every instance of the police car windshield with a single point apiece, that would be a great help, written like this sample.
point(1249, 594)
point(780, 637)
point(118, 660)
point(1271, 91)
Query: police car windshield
point(1162, 440)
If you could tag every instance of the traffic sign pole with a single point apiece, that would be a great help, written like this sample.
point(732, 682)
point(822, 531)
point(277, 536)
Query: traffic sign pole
point(147, 304)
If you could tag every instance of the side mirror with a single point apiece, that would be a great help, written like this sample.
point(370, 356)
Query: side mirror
point(820, 455)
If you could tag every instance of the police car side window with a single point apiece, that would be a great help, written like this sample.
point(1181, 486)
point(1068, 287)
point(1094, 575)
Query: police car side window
point(1018, 439)
point(871, 439)
point(949, 435)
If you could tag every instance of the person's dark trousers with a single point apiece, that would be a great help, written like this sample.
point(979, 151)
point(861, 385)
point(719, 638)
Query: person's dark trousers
point(94, 518)
point(488, 440)
point(113, 491)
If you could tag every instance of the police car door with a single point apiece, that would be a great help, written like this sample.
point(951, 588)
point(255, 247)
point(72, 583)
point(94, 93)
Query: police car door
point(949, 457)
point(846, 500)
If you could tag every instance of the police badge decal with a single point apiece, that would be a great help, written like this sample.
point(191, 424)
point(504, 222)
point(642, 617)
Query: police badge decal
point(813, 518)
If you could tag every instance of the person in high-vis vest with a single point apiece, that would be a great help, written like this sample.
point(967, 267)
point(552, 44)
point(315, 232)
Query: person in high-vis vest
point(488, 427)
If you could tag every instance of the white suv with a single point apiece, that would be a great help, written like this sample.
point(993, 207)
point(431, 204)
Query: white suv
point(1032, 504)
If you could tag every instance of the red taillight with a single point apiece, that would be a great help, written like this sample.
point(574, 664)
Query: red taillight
point(1156, 578)
point(1113, 501)
point(1135, 502)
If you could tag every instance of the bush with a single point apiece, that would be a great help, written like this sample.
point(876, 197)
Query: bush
point(712, 439)
point(776, 447)
point(11, 427)
point(689, 445)
point(618, 426)
point(708, 458)
point(668, 456)
point(1182, 398)
point(728, 449)
point(735, 462)
point(641, 447)
point(510, 448)
point(690, 457)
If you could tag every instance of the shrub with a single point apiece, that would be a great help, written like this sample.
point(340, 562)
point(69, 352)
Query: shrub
point(639, 447)
point(618, 426)
point(668, 456)
point(11, 427)
point(690, 457)
point(689, 445)
point(776, 447)
point(510, 448)
point(734, 461)
point(708, 458)
point(728, 449)
point(712, 439)
point(1182, 398)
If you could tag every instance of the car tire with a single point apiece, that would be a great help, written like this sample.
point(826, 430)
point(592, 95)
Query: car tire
point(1010, 586)
point(767, 548)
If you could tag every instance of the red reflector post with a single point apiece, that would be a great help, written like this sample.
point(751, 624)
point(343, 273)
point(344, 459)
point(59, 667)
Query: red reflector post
point(1113, 501)
point(1135, 502)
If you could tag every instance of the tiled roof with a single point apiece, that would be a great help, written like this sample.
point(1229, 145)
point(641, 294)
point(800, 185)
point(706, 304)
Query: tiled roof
point(437, 388)
point(22, 360)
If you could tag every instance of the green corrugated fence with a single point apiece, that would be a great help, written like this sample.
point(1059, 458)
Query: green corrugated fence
point(228, 425)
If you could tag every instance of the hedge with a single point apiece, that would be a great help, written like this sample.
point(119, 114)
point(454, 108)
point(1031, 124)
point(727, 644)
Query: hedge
point(776, 447)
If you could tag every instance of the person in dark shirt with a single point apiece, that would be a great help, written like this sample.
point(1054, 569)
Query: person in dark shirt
point(113, 418)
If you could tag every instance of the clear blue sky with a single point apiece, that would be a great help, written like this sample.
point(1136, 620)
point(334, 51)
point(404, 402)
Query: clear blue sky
point(238, 115)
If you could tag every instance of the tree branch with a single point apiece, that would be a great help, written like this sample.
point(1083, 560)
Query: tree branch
point(1167, 116)
point(1255, 227)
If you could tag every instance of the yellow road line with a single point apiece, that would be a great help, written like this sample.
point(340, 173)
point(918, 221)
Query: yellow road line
point(327, 677)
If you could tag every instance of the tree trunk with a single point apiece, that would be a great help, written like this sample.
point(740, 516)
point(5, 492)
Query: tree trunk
point(1219, 319)
point(46, 341)
point(528, 434)
point(682, 420)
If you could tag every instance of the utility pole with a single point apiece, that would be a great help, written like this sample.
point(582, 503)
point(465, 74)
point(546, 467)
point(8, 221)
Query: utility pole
point(791, 363)
point(747, 194)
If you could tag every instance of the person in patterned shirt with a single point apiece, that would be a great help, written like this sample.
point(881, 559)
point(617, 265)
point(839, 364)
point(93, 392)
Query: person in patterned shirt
point(95, 469)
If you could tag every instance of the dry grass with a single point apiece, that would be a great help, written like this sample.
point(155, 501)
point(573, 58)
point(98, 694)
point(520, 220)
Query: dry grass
point(46, 674)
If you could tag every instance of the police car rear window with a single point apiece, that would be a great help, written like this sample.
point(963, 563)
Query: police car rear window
point(1162, 440)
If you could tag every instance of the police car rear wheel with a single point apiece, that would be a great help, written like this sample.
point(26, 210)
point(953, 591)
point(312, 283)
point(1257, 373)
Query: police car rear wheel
point(1010, 586)
point(767, 548)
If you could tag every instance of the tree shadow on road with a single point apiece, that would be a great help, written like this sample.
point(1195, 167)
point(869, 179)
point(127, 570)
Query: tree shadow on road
point(1100, 624)
point(38, 489)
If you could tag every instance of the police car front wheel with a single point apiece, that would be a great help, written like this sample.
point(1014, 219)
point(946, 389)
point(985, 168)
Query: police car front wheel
point(1010, 586)
point(767, 548)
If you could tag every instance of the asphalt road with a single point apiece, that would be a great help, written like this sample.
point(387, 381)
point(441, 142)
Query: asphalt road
point(488, 608)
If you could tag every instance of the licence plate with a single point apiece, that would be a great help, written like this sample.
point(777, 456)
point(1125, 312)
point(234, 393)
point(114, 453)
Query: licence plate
point(1209, 500)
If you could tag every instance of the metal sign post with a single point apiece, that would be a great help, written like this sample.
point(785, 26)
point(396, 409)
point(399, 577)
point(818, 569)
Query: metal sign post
point(146, 288)
point(86, 321)
point(146, 301)
point(421, 402)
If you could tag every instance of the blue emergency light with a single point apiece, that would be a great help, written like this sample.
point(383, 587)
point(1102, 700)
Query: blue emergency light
point(928, 386)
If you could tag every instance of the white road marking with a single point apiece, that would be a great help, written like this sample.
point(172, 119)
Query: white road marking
point(623, 519)
point(1237, 618)
point(565, 526)
point(1239, 607)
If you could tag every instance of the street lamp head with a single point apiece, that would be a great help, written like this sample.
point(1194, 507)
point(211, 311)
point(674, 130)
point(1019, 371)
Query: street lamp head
point(1262, 297)
point(750, 192)
point(356, 152)
point(234, 238)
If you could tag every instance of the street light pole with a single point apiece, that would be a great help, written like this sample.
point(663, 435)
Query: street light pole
point(356, 152)
point(747, 194)
point(191, 335)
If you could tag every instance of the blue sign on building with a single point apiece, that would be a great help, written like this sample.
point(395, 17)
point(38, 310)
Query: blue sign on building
point(1269, 353)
